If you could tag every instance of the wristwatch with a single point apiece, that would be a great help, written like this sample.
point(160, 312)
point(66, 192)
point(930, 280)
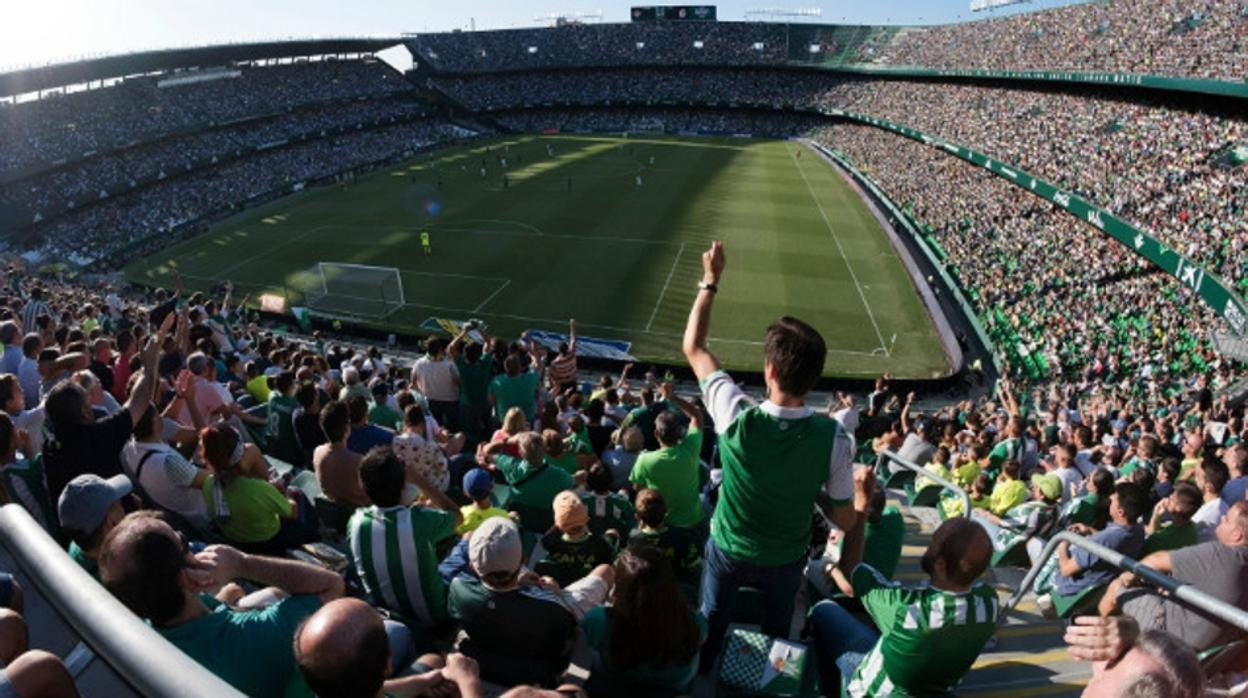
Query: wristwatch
point(703, 286)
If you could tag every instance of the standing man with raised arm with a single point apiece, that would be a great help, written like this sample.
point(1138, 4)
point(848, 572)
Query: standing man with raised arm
point(779, 460)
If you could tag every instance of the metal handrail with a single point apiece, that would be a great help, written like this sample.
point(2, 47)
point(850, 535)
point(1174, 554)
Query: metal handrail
point(919, 470)
point(1186, 593)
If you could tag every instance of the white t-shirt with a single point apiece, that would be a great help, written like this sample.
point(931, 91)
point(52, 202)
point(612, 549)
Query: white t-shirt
point(167, 478)
point(436, 379)
point(1207, 518)
point(1070, 478)
point(31, 422)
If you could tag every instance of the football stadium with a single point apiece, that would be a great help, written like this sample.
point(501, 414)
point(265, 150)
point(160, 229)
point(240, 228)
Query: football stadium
point(438, 363)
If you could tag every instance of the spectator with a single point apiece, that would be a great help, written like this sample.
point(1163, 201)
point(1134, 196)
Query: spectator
point(534, 481)
point(515, 389)
point(149, 568)
point(80, 444)
point(363, 436)
point(678, 545)
point(635, 655)
point(1211, 477)
point(1079, 569)
point(281, 440)
point(24, 672)
point(393, 546)
point(381, 414)
point(23, 478)
point(675, 469)
point(478, 486)
point(1218, 568)
point(1182, 532)
point(572, 549)
point(337, 466)
point(475, 376)
point(764, 545)
point(250, 511)
point(1235, 489)
point(435, 376)
point(90, 507)
point(562, 371)
point(928, 649)
point(28, 369)
point(623, 458)
point(307, 422)
point(1127, 663)
point(608, 511)
point(420, 453)
point(343, 650)
point(164, 477)
point(519, 628)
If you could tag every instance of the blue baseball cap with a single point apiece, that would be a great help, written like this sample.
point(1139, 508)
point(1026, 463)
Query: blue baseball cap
point(478, 483)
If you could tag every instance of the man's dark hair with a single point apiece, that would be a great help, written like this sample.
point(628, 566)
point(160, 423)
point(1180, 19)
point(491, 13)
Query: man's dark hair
point(1102, 483)
point(1186, 499)
point(355, 672)
point(379, 391)
point(284, 382)
point(1216, 473)
point(31, 344)
point(599, 478)
point(472, 353)
point(66, 403)
point(357, 406)
point(383, 476)
point(667, 429)
point(306, 394)
point(146, 580)
point(651, 507)
point(1171, 467)
point(335, 418)
point(797, 352)
point(953, 542)
point(8, 433)
point(435, 346)
point(1132, 499)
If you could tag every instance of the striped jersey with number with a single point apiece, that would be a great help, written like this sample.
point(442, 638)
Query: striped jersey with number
point(929, 638)
point(392, 549)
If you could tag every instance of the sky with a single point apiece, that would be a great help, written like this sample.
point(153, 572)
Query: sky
point(38, 32)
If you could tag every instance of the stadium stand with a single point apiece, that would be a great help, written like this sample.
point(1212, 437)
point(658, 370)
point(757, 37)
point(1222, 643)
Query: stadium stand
point(324, 468)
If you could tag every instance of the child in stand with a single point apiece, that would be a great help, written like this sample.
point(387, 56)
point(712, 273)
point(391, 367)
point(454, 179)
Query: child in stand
point(610, 513)
point(677, 544)
point(570, 550)
point(478, 486)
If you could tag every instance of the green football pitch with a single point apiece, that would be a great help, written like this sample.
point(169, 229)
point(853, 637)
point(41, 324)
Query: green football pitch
point(573, 233)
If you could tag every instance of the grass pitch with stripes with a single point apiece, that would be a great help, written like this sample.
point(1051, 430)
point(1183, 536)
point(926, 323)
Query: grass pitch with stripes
point(574, 235)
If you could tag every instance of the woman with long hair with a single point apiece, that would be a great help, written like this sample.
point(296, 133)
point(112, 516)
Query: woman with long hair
point(648, 640)
point(250, 511)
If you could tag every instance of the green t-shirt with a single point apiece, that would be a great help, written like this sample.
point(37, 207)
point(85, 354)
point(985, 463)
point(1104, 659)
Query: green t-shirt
point(1137, 462)
point(597, 627)
point(250, 650)
point(393, 550)
point(567, 463)
point(1172, 537)
point(674, 472)
point(773, 471)
point(1009, 449)
point(678, 545)
point(883, 541)
point(537, 491)
point(281, 432)
point(90, 566)
point(509, 392)
point(382, 416)
point(474, 381)
point(928, 638)
point(256, 509)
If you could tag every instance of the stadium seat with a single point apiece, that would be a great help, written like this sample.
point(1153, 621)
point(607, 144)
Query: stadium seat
point(1080, 603)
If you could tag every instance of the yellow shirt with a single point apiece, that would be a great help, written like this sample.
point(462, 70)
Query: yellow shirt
point(474, 516)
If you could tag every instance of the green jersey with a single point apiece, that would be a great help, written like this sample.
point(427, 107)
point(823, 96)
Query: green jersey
point(928, 638)
point(674, 472)
point(474, 381)
point(393, 553)
point(609, 511)
point(1172, 537)
point(24, 484)
point(282, 441)
point(533, 488)
point(520, 391)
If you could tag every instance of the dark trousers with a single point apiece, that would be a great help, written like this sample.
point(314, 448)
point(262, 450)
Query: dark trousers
point(722, 576)
point(446, 412)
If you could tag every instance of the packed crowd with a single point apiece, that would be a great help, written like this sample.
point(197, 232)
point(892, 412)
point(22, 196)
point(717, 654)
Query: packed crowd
point(520, 527)
point(664, 120)
point(1203, 39)
point(95, 232)
point(1094, 312)
point(68, 127)
point(79, 183)
point(576, 45)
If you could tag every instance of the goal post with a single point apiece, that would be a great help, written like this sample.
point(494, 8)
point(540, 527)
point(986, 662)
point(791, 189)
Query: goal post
point(356, 290)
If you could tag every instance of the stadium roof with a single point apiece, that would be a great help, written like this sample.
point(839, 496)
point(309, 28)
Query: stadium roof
point(45, 77)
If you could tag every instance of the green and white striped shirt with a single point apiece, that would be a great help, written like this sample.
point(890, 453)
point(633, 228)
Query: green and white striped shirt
point(393, 553)
point(929, 638)
point(24, 482)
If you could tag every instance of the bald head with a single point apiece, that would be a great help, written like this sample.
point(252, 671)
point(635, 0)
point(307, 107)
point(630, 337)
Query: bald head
point(342, 650)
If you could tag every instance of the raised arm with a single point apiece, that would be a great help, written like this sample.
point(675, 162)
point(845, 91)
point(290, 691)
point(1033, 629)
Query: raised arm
point(456, 347)
point(692, 412)
point(698, 327)
point(141, 396)
point(572, 336)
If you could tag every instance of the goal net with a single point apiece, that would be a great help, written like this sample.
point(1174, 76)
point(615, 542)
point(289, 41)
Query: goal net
point(357, 290)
